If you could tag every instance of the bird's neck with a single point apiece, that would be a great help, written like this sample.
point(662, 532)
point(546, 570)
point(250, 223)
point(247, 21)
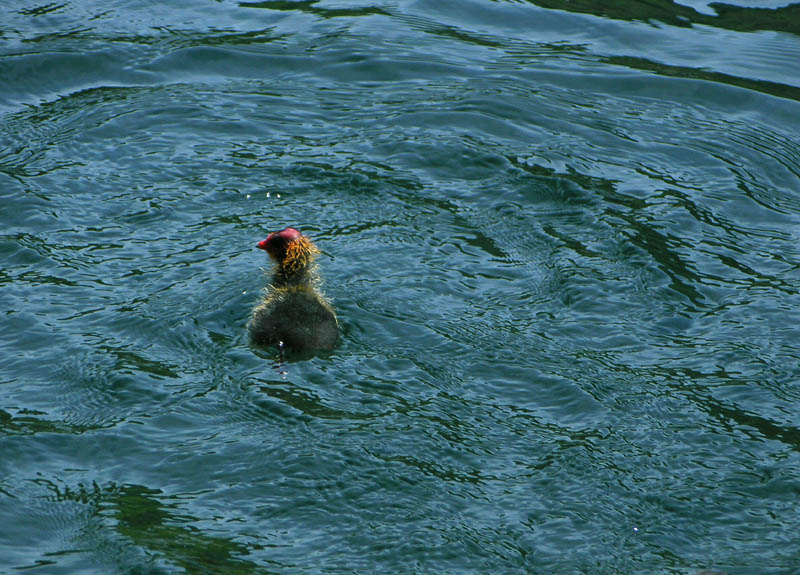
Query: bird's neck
point(283, 278)
point(296, 266)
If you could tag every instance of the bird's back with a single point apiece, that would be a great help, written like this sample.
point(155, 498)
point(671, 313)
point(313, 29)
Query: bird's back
point(299, 317)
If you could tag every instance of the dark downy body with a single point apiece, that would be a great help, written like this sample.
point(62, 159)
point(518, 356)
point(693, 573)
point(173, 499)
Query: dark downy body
point(293, 310)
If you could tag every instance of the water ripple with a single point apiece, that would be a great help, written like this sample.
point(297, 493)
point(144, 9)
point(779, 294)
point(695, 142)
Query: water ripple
point(562, 245)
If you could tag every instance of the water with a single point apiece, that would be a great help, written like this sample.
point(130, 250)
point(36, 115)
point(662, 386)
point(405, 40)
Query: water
point(562, 240)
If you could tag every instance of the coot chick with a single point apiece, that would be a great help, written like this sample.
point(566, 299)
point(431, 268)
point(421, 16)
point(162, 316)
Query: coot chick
point(293, 310)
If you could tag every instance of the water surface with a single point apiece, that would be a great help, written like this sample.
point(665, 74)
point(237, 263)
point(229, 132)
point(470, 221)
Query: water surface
point(561, 237)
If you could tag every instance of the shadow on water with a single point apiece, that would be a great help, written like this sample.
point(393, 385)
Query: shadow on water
point(307, 402)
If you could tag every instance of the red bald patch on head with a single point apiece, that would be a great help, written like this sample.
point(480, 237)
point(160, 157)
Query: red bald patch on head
point(279, 239)
point(275, 244)
point(289, 234)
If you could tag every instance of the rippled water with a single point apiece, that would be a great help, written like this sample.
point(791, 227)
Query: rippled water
point(561, 237)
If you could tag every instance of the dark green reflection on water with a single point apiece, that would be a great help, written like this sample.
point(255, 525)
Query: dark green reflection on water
point(772, 88)
point(29, 422)
point(145, 517)
point(155, 526)
point(739, 18)
point(310, 7)
point(624, 213)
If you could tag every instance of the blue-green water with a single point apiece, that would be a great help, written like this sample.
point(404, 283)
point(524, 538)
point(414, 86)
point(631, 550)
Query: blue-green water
point(562, 239)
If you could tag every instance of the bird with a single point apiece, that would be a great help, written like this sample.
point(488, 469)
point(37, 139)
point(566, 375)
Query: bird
point(293, 312)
